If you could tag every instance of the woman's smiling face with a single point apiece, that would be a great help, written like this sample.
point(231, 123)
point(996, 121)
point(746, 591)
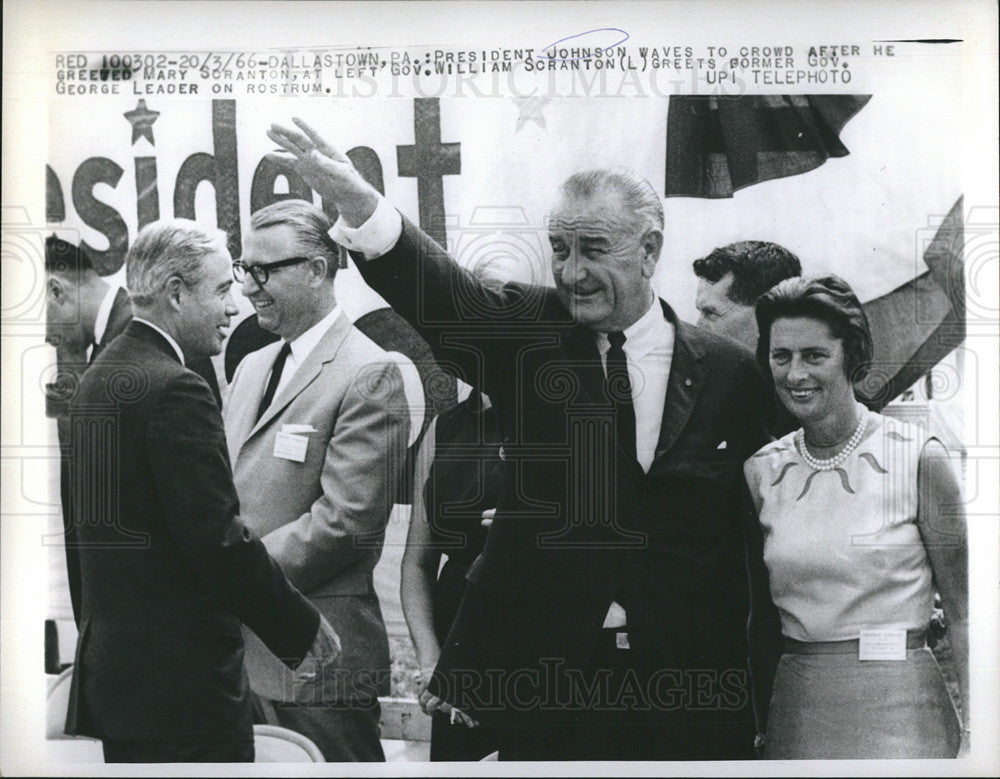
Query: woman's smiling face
point(809, 368)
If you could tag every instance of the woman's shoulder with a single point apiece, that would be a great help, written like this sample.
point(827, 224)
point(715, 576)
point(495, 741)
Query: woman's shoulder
point(900, 432)
point(781, 446)
point(770, 456)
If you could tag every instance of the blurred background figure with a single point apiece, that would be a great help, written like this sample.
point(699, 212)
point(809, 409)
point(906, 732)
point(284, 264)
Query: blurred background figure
point(83, 314)
point(730, 280)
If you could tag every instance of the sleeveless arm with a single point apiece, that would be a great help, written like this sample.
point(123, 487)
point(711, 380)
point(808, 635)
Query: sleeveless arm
point(942, 525)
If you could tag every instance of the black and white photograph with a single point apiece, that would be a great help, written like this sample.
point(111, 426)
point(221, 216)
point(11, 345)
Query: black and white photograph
point(559, 386)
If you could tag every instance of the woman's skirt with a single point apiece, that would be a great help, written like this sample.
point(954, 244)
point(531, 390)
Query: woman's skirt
point(830, 705)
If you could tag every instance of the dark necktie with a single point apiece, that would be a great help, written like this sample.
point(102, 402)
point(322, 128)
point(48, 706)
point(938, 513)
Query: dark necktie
point(620, 392)
point(95, 349)
point(272, 383)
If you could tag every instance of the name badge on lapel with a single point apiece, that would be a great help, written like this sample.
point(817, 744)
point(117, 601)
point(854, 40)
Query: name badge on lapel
point(291, 443)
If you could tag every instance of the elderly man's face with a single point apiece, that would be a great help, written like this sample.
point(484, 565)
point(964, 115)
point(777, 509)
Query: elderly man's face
point(207, 306)
point(723, 316)
point(601, 263)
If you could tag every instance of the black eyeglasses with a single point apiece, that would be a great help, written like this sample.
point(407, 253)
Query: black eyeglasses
point(261, 273)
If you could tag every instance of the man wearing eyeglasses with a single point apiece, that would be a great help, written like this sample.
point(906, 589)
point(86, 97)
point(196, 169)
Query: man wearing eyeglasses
point(317, 426)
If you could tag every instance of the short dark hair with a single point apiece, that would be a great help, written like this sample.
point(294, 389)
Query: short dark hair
point(756, 267)
point(311, 225)
point(828, 299)
point(65, 258)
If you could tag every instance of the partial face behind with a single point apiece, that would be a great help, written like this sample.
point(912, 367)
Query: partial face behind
point(284, 303)
point(809, 368)
point(63, 320)
point(723, 316)
point(601, 263)
point(206, 308)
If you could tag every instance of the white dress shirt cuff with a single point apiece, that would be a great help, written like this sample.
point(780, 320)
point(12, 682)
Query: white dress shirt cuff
point(376, 236)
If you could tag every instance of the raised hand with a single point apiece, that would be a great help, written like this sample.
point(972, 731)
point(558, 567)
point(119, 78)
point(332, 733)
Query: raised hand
point(325, 169)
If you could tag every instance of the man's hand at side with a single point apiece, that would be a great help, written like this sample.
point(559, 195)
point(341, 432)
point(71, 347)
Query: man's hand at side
point(326, 170)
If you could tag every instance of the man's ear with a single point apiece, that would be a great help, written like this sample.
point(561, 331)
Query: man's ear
point(652, 243)
point(56, 289)
point(174, 288)
point(318, 267)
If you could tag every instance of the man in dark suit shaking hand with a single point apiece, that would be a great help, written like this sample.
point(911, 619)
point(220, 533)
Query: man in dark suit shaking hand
point(160, 565)
point(607, 615)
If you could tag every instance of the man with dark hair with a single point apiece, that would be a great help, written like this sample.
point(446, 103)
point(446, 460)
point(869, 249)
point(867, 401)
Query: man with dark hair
point(606, 617)
point(730, 280)
point(316, 425)
point(84, 312)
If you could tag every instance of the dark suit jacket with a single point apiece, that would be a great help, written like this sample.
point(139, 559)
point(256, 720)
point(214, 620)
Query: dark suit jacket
point(118, 318)
point(163, 572)
point(577, 525)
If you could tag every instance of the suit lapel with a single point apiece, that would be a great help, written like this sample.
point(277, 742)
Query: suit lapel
point(684, 384)
point(324, 352)
point(241, 408)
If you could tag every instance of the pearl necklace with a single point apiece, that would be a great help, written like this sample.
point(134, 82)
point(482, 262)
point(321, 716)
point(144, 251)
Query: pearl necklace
point(829, 464)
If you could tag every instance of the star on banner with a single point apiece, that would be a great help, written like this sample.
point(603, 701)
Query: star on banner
point(530, 110)
point(141, 119)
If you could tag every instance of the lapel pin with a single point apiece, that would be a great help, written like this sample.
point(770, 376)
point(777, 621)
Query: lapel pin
point(687, 382)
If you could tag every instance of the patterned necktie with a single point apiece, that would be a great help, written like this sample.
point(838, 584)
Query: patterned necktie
point(272, 383)
point(619, 389)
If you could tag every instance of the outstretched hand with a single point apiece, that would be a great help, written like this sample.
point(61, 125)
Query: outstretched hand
point(325, 169)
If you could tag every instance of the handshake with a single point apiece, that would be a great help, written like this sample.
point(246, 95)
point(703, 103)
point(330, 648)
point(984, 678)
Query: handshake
point(323, 654)
point(312, 680)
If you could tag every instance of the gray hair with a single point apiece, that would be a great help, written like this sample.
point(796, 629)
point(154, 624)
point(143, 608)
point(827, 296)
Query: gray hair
point(311, 225)
point(638, 196)
point(164, 249)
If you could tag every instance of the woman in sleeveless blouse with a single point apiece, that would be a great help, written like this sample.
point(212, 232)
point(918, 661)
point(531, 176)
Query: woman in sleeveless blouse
point(862, 522)
point(456, 479)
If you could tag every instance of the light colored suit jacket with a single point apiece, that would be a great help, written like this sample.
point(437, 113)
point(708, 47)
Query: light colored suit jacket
point(322, 518)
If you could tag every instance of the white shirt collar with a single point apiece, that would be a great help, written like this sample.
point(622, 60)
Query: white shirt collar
point(305, 343)
point(104, 312)
point(642, 336)
point(164, 333)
